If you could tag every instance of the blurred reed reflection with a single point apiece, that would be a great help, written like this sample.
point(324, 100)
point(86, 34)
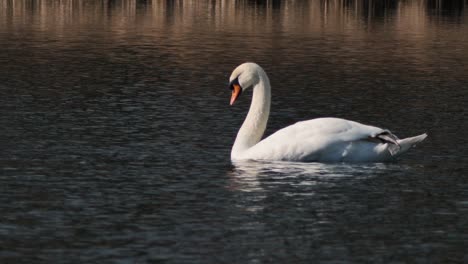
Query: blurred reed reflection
point(184, 28)
point(223, 12)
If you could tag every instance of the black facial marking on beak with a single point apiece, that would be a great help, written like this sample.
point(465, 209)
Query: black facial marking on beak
point(236, 90)
point(235, 82)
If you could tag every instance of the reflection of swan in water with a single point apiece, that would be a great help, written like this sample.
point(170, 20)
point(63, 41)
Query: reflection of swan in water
point(294, 169)
point(321, 139)
point(254, 181)
point(247, 175)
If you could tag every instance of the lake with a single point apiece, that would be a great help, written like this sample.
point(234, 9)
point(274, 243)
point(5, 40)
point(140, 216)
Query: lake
point(117, 130)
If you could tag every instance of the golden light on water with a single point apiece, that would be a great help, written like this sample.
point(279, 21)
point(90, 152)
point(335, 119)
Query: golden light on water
point(268, 25)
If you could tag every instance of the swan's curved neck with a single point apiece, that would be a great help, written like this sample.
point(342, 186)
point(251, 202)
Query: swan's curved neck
point(255, 123)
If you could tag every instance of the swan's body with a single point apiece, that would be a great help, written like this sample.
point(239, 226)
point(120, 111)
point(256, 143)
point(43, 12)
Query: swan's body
point(321, 139)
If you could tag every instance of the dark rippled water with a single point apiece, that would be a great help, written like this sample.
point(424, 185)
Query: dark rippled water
point(116, 132)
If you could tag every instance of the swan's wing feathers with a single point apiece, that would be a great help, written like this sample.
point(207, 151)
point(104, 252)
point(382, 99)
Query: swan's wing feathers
point(387, 137)
point(337, 129)
point(313, 137)
point(392, 140)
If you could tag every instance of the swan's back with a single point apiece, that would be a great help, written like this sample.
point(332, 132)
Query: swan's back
point(321, 139)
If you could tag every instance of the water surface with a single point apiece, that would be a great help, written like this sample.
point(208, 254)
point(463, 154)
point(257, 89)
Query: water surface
point(116, 131)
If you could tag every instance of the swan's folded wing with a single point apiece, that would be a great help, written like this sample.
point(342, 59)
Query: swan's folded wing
point(309, 139)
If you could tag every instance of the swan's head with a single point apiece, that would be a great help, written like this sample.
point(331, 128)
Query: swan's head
point(242, 78)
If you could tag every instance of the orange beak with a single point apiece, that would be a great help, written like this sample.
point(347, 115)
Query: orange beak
point(236, 91)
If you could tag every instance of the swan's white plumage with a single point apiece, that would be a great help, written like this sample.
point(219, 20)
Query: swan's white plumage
point(321, 139)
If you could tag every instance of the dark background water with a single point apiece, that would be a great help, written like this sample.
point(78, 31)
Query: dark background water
point(116, 131)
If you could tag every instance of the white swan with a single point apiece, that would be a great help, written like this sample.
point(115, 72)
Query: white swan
point(321, 139)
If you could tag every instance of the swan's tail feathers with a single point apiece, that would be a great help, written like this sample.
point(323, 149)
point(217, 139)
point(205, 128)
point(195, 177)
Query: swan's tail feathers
point(407, 143)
